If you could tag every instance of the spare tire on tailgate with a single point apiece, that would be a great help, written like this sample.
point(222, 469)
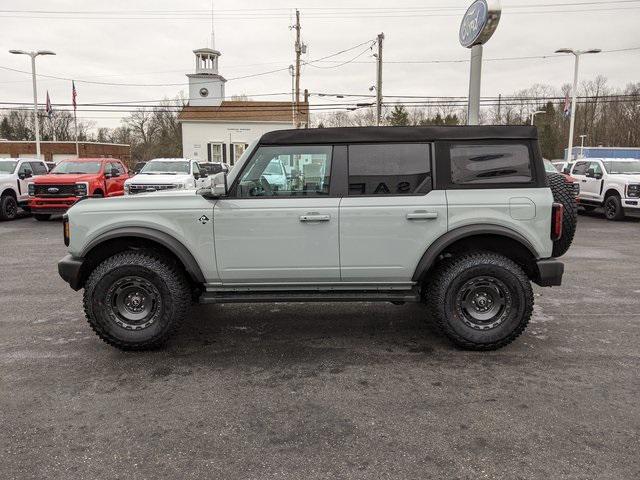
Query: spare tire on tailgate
point(563, 193)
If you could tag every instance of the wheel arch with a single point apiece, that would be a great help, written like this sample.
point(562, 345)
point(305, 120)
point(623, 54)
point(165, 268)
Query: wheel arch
point(126, 238)
point(494, 238)
point(612, 191)
point(8, 190)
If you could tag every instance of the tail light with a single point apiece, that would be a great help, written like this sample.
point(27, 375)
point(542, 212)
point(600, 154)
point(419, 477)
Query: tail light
point(556, 221)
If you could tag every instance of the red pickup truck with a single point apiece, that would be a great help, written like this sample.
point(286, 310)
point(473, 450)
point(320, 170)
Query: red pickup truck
point(72, 179)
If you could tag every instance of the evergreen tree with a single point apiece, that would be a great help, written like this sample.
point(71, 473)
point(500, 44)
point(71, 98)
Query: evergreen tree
point(399, 116)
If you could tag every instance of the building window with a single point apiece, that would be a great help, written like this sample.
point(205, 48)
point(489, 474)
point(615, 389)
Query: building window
point(237, 149)
point(215, 152)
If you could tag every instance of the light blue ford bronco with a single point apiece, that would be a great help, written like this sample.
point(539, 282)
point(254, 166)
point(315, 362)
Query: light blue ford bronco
point(460, 218)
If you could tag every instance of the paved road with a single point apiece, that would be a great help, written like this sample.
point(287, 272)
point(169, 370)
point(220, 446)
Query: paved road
point(308, 391)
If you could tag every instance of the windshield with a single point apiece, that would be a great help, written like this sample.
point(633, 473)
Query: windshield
point(7, 166)
point(211, 168)
point(158, 167)
point(76, 167)
point(625, 167)
point(549, 167)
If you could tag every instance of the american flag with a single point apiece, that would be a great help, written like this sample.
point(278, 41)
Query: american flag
point(48, 109)
point(74, 94)
point(567, 105)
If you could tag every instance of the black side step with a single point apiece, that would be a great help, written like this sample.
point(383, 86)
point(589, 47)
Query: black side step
point(412, 295)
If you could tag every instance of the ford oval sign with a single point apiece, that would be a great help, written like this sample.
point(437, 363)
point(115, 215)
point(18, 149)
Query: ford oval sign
point(53, 190)
point(479, 22)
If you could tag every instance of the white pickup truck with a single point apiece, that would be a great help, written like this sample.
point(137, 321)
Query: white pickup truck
point(612, 183)
point(15, 176)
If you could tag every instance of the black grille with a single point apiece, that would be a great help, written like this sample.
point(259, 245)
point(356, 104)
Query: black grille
point(68, 190)
point(141, 188)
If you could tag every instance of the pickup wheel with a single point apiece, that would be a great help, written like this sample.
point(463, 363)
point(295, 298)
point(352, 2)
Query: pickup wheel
point(563, 193)
point(613, 208)
point(480, 301)
point(8, 207)
point(136, 300)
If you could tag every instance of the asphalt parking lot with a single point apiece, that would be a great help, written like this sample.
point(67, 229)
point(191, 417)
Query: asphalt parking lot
point(323, 391)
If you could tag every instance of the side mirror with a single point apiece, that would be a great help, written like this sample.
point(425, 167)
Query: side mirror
point(219, 184)
point(566, 170)
point(203, 174)
point(591, 173)
point(196, 175)
point(115, 172)
point(25, 174)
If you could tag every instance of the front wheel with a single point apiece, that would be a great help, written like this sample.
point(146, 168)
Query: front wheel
point(613, 208)
point(136, 300)
point(481, 301)
point(8, 208)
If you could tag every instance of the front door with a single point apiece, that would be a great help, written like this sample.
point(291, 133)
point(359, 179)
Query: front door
point(25, 176)
point(390, 214)
point(588, 185)
point(283, 231)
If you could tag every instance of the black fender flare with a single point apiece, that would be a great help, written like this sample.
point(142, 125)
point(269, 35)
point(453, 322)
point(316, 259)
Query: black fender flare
point(170, 243)
point(436, 248)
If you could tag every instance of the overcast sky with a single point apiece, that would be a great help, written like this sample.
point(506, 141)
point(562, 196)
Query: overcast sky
point(138, 42)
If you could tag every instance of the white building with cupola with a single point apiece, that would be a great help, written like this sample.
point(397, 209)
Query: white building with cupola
point(215, 129)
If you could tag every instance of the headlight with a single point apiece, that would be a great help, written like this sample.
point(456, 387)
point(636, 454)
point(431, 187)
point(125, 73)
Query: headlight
point(633, 190)
point(32, 190)
point(82, 189)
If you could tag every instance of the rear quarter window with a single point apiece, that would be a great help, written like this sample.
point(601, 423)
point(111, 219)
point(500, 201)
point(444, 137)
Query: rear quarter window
point(486, 163)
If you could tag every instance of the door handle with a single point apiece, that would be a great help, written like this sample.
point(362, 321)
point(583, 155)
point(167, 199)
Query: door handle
point(422, 215)
point(314, 217)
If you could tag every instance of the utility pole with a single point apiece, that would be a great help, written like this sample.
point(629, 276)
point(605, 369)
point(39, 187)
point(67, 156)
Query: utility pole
point(298, 47)
point(499, 122)
point(379, 80)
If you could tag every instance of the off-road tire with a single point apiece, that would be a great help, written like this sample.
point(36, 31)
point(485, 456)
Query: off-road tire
point(42, 217)
point(8, 207)
point(172, 300)
point(562, 193)
point(613, 208)
point(449, 281)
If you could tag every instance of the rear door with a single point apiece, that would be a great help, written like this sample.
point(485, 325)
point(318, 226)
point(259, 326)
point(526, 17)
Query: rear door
point(391, 213)
point(269, 233)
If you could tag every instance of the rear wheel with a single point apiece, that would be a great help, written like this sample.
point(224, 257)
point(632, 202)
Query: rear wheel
point(8, 207)
point(481, 301)
point(136, 301)
point(42, 217)
point(613, 208)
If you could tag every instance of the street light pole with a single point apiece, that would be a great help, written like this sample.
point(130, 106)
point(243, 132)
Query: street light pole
point(582, 137)
point(576, 54)
point(533, 115)
point(36, 121)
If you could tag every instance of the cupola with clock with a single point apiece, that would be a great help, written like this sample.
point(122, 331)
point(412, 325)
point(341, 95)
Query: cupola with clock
point(206, 86)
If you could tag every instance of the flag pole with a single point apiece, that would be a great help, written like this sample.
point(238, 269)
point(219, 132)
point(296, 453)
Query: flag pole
point(74, 94)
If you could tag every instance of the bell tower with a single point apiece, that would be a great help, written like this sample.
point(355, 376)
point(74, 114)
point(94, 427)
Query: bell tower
point(206, 85)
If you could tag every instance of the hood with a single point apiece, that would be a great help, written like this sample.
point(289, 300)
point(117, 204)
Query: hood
point(149, 179)
point(619, 177)
point(63, 178)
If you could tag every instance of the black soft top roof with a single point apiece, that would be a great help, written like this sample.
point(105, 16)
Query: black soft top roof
point(397, 134)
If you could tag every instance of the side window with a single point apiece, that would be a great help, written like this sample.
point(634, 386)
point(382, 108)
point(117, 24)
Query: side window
point(196, 168)
point(287, 172)
point(26, 166)
point(597, 169)
point(485, 163)
point(120, 167)
point(38, 168)
point(580, 168)
point(389, 169)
